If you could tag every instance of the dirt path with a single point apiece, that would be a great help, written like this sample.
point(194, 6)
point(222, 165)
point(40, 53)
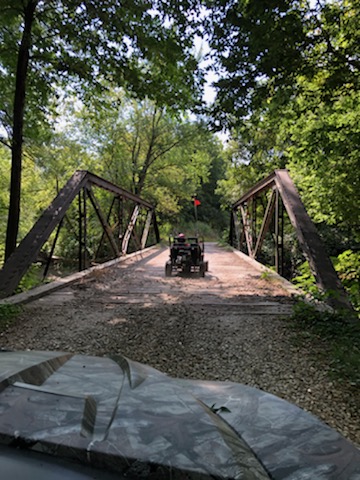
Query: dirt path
point(227, 326)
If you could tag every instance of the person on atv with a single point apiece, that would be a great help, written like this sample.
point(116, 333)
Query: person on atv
point(179, 242)
point(181, 238)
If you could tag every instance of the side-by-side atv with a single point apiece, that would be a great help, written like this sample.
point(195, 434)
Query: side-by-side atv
point(186, 256)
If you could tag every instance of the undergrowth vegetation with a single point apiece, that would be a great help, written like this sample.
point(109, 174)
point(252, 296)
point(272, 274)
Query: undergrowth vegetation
point(336, 340)
point(347, 266)
point(8, 314)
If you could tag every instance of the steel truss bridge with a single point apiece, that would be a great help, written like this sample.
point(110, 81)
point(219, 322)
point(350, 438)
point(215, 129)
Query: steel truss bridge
point(131, 221)
point(119, 226)
point(263, 207)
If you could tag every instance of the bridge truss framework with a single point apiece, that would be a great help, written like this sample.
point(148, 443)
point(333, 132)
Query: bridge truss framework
point(81, 186)
point(283, 195)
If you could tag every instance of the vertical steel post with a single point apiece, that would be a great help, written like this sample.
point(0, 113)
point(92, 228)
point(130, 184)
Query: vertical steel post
point(244, 209)
point(277, 231)
point(85, 257)
point(156, 228)
point(46, 270)
point(129, 229)
point(120, 215)
point(282, 236)
point(146, 229)
point(231, 230)
point(237, 243)
point(253, 222)
point(82, 229)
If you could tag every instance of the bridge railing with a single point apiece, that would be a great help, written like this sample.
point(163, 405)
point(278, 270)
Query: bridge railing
point(117, 227)
point(247, 233)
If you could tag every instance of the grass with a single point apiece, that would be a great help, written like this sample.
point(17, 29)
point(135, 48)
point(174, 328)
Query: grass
point(8, 314)
point(335, 338)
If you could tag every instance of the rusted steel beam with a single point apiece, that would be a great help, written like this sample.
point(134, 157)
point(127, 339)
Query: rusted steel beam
point(53, 249)
point(111, 187)
point(120, 214)
point(29, 248)
point(277, 230)
point(146, 229)
point(247, 232)
point(310, 241)
point(156, 228)
point(256, 190)
point(136, 239)
point(129, 229)
point(232, 229)
point(281, 219)
point(103, 232)
point(265, 223)
point(82, 229)
point(103, 222)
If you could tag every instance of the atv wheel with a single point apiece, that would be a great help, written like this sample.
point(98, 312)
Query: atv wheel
point(187, 269)
point(168, 270)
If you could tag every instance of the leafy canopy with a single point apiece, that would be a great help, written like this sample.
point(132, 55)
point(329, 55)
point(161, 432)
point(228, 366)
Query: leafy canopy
point(144, 46)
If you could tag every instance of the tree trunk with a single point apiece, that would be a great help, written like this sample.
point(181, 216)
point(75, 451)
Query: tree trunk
point(18, 127)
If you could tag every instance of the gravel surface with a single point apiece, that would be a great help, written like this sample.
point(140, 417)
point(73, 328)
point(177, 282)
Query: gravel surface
point(230, 325)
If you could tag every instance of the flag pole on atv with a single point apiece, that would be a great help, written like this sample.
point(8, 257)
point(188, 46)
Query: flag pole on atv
point(196, 204)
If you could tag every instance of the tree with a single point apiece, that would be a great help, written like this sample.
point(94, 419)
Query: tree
point(146, 148)
point(262, 47)
point(144, 46)
point(301, 113)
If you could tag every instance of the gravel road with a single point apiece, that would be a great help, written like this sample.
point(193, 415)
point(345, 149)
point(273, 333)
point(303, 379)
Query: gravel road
point(230, 325)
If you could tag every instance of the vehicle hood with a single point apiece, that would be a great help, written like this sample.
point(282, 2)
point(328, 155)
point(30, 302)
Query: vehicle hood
point(126, 417)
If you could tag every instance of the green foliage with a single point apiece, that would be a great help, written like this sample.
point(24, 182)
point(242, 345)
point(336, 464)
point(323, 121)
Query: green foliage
point(31, 279)
point(148, 150)
point(8, 314)
point(294, 102)
point(4, 190)
point(324, 139)
point(335, 338)
point(262, 48)
point(306, 281)
point(190, 229)
point(238, 175)
point(347, 265)
point(298, 104)
point(144, 46)
point(57, 46)
point(266, 275)
point(36, 194)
